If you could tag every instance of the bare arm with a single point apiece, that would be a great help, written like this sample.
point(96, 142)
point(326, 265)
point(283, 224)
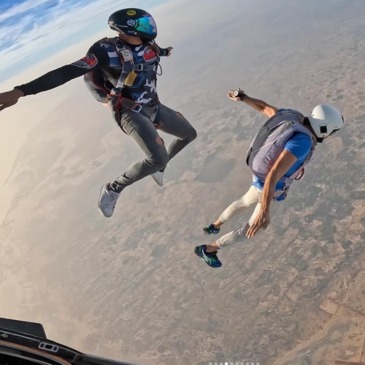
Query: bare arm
point(284, 162)
point(256, 104)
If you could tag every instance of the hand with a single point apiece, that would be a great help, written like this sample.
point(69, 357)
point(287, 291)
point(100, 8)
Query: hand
point(262, 221)
point(9, 98)
point(169, 49)
point(235, 95)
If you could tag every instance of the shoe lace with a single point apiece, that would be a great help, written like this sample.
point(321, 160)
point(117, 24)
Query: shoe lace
point(113, 198)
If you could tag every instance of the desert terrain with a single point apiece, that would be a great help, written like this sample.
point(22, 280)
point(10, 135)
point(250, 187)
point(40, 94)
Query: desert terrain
point(130, 287)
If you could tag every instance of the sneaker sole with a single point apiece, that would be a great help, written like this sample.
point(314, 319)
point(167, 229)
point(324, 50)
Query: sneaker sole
point(208, 233)
point(213, 267)
point(158, 182)
point(99, 205)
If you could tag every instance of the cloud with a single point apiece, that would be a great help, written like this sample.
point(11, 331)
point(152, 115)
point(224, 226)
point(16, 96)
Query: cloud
point(21, 22)
point(35, 29)
point(19, 9)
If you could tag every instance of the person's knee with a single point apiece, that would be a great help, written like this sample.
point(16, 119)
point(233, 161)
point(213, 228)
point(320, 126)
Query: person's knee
point(190, 134)
point(189, 131)
point(159, 160)
point(193, 134)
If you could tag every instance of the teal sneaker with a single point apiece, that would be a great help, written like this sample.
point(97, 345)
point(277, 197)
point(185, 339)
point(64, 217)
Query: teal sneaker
point(210, 259)
point(211, 229)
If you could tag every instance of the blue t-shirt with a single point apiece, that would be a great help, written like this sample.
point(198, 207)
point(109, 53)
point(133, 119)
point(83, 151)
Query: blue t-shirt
point(299, 145)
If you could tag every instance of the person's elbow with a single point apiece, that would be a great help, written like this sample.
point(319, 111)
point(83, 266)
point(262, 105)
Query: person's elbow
point(269, 110)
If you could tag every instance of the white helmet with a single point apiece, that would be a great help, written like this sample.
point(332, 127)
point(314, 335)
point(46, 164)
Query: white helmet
point(325, 120)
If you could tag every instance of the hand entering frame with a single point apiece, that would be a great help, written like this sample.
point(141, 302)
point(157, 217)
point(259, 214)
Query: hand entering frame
point(9, 98)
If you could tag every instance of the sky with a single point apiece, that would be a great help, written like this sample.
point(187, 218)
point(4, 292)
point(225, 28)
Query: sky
point(32, 30)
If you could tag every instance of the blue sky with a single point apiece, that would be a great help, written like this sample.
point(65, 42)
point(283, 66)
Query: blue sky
point(32, 30)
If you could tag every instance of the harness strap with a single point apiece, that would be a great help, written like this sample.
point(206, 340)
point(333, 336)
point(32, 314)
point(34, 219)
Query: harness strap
point(129, 104)
point(125, 56)
point(279, 193)
point(117, 102)
point(142, 67)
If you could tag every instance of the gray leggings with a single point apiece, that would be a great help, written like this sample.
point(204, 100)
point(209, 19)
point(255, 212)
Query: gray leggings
point(142, 127)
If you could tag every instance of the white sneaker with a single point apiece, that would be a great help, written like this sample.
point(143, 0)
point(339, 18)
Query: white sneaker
point(158, 177)
point(107, 200)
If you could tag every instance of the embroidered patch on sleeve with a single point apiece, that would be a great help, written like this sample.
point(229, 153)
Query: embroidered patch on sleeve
point(89, 61)
point(149, 54)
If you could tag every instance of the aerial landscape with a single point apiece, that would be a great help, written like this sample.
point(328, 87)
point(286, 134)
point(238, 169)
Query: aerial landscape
point(130, 287)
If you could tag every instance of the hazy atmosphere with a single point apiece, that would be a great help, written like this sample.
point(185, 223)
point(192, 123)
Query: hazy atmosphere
point(130, 287)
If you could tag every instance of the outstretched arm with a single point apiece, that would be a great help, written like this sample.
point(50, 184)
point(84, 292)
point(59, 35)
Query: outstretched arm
point(257, 104)
point(53, 78)
point(46, 82)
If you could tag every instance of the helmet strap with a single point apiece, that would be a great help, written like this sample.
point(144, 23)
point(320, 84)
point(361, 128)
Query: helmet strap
point(307, 124)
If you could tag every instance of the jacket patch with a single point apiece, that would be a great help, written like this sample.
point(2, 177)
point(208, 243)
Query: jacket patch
point(149, 55)
point(89, 61)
